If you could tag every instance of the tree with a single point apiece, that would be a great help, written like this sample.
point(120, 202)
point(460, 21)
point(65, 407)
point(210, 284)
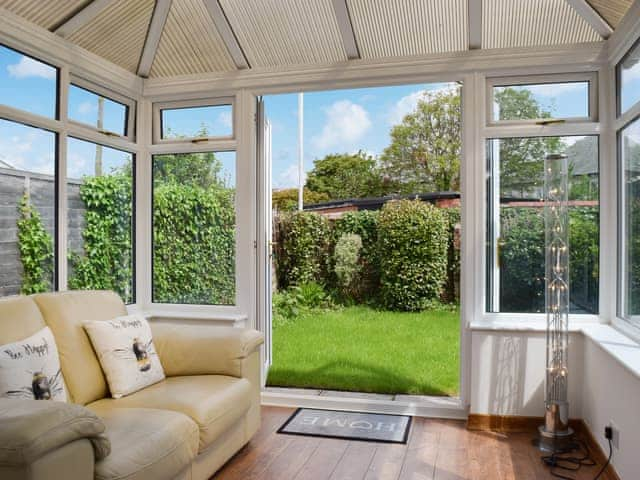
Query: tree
point(424, 154)
point(286, 200)
point(342, 176)
point(522, 159)
point(197, 169)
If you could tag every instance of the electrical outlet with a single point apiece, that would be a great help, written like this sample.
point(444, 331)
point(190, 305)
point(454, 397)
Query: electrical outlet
point(615, 438)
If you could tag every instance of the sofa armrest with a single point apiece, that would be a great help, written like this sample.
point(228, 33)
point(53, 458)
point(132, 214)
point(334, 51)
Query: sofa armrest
point(32, 429)
point(203, 349)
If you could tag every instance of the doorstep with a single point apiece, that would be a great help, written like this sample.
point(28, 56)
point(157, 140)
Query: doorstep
point(414, 405)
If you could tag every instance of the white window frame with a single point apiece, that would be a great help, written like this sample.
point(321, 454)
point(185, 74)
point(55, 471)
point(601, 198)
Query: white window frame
point(70, 68)
point(531, 129)
point(521, 80)
point(158, 108)
point(129, 103)
point(244, 198)
point(631, 111)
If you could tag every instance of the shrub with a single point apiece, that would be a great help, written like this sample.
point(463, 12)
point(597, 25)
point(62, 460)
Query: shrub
point(299, 299)
point(346, 259)
point(303, 250)
point(412, 244)
point(36, 250)
point(365, 224)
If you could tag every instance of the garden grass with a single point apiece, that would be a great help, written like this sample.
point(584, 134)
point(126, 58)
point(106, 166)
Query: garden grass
point(366, 350)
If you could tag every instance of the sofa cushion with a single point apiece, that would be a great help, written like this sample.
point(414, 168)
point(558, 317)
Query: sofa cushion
point(214, 402)
point(19, 318)
point(30, 369)
point(145, 443)
point(126, 352)
point(64, 313)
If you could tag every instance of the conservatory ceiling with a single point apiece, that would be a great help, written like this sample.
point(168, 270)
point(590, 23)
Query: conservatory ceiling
point(166, 38)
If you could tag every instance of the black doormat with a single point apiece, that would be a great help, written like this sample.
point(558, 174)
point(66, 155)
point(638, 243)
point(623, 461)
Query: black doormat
point(369, 427)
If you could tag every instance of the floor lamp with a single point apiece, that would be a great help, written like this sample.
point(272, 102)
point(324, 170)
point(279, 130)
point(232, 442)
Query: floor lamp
point(556, 435)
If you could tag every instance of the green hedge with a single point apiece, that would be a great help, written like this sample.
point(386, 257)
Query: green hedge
point(193, 244)
point(522, 259)
point(303, 249)
point(412, 242)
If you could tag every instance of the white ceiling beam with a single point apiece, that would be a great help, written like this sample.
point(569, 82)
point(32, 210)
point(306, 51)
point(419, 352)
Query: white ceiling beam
point(346, 29)
point(158, 19)
point(592, 17)
point(226, 32)
point(83, 17)
point(474, 11)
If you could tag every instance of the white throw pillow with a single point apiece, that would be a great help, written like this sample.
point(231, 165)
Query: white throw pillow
point(30, 369)
point(126, 352)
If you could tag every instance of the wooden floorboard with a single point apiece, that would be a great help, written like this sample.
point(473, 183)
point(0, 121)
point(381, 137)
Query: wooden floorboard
point(436, 450)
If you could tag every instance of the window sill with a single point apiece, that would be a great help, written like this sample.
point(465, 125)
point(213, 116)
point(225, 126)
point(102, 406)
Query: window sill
point(529, 323)
point(232, 320)
point(619, 345)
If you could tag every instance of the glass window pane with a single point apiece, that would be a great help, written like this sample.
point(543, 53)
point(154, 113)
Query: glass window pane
point(27, 84)
point(543, 100)
point(27, 214)
point(629, 72)
point(97, 111)
point(630, 158)
point(515, 229)
point(196, 122)
point(194, 228)
point(99, 211)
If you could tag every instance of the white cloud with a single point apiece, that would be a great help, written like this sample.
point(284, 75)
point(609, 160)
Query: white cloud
point(555, 89)
point(345, 123)
point(225, 119)
point(87, 107)
point(407, 104)
point(289, 177)
point(404, 106)
point(21, 154)
point(28, 67)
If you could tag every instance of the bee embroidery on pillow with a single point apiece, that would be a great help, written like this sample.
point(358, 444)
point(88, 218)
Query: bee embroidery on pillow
point(140, 351)
point(42, 387)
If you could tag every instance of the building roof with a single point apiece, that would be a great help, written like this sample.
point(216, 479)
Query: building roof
point(167, 38)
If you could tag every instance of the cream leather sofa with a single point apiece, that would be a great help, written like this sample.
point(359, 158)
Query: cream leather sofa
point(184, 427)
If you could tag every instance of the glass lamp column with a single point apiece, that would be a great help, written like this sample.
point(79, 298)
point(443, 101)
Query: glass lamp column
point(556, 434)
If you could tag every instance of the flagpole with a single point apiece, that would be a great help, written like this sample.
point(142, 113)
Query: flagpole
point(300, 151)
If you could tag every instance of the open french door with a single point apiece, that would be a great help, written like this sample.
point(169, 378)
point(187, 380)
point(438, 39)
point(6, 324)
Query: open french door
point(265, 246)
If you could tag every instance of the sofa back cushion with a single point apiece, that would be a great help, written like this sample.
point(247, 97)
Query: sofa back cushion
point(19, 318)
point(64, 313)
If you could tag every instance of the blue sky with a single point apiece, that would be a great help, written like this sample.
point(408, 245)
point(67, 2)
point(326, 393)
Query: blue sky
point(338, 121)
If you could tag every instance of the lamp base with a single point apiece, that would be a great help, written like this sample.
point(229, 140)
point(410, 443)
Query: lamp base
point(555, 442)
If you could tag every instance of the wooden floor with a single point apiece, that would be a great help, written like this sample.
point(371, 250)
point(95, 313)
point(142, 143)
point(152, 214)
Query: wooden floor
point(437, 449)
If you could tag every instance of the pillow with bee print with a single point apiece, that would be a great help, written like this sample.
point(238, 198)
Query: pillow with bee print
point(126, 353)
point(30, 369)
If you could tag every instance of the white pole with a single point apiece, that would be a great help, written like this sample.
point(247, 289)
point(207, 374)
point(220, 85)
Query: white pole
point(300, 151)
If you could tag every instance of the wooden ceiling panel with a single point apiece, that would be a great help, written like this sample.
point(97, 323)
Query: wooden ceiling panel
point(276, 33)
point(611, 10)
point(190, 43)
point(118, 32)
point(47, 14)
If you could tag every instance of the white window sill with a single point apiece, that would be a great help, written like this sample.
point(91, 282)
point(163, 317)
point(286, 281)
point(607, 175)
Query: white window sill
point(529, 323)
point(619, 345)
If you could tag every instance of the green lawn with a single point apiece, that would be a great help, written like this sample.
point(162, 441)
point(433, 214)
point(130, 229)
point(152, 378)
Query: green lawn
point(366, 350)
